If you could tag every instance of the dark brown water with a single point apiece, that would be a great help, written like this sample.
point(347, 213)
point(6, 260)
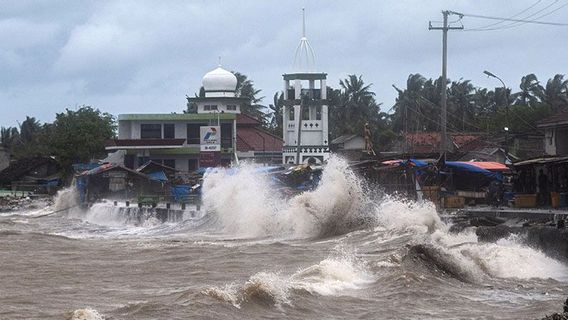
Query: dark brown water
point(331, 253)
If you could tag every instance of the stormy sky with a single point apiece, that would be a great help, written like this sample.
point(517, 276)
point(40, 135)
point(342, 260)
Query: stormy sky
point(146, 56)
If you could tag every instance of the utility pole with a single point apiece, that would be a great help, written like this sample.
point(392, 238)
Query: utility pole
point(444, 28)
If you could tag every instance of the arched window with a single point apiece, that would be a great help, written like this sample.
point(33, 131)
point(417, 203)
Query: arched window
point(291, 114)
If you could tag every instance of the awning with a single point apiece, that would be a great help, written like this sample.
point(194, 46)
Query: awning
point(489, 165)
point(409, 162)
point(473, 167)
point(542, 161)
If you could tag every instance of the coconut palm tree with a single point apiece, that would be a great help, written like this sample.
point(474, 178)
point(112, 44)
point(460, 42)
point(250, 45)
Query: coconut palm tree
point(276, 108)
point(460, 109)
point(245, 89)
point(358, 99)
point(8, 137)
point(530, 92)
point(555, 93)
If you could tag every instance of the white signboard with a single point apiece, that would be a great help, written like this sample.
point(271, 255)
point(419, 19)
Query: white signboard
point(210, 138)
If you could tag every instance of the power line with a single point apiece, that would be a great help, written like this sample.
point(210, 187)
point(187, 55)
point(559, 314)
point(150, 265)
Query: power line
point(521, 21)
point(517, 24)
point(513, 16)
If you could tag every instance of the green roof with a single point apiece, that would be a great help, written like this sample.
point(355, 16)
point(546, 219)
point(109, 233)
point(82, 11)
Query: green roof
point(186, 150)
point(177, 116)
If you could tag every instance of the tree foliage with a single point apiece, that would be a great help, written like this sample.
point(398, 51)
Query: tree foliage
point(353, 105)
point(473, 109)
point(79, 136)
point(74, 136)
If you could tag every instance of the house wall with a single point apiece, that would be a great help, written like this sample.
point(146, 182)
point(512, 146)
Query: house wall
point(556, 141)
point(561, 141)
point(130, 129)
point(357, 143)
point(550, 141)
point(221, 107)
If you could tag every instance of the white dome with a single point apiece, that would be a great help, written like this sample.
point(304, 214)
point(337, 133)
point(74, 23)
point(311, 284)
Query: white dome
point(219, 80)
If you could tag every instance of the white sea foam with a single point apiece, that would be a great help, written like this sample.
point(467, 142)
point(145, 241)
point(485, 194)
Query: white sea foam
point(402, 215)
point(66, 198)
point(245, 204)
point(507, 258)
point(86, 314)
point(333, 276)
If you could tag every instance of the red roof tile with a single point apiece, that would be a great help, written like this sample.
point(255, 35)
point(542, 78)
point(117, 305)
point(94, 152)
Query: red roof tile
point(429, 142)
point(256, 139)
point(244, 119)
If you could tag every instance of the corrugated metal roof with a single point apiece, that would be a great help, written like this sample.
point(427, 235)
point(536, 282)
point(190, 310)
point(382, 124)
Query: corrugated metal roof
point(177, 116)
point(343, 138)
point(541, 161)
point(554, 120)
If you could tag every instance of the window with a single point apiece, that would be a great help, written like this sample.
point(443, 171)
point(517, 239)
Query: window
point(208, 107)
point(142, 161)
point(169, 131)
point(170, 163)
point(231, 107)
point(306, 113)
point(193, 132)
point(193, 164)
point(291, 114)
point(318, 112)
point(151, 131)
point(226, 135)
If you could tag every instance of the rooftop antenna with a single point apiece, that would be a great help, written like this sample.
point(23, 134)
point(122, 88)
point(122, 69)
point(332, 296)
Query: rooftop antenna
point(304, 58)
point(303, 23)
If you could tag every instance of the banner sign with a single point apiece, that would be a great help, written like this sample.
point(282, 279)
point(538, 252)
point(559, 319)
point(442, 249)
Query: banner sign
point(209, 159)
point(210, 138)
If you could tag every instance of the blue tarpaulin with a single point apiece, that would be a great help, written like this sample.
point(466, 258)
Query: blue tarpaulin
point(51, 182)
point(157, 176)
point(180, 192)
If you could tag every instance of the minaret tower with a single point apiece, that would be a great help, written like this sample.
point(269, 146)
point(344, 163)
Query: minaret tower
point(305, 113)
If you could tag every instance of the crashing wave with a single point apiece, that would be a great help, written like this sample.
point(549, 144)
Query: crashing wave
point(86, 314)
point(330, 277)
point(245, 204)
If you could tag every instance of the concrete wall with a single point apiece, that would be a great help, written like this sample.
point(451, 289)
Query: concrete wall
point(549, 141)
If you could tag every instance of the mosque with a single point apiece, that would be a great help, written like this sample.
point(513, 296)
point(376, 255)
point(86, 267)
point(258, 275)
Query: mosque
point(218, 133)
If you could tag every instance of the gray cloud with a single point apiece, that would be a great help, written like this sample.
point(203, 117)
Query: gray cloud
point(145, 56)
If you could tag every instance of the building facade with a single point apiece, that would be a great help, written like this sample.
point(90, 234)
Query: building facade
point(555, 134)
point(179, 140)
